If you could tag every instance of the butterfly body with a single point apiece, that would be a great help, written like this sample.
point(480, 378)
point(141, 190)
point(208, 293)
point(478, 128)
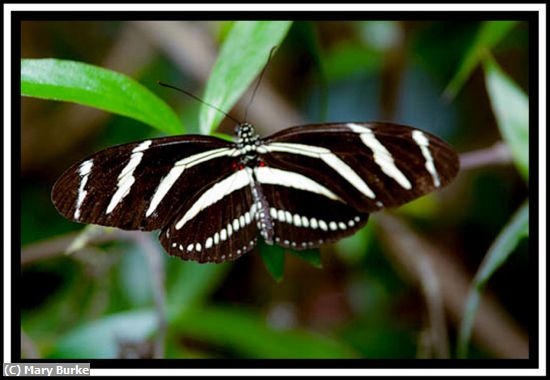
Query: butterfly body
point(299, 188)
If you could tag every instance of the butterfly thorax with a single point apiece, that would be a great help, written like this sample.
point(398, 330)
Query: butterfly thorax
point(247, 135)
point(247, 144)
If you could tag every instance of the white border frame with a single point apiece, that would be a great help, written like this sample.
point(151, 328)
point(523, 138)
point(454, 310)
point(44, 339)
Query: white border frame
point(541, 8)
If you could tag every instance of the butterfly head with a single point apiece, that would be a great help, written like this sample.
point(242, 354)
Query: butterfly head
point(246, 134)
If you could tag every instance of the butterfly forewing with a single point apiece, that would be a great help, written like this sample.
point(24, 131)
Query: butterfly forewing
point(369, 165)
point(141, 185)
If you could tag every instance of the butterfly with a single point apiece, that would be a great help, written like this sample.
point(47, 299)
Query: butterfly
point(299, 188)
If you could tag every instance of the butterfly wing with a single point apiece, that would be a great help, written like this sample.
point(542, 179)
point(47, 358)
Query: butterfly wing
point(368, 165)
point(141, 185)
point(304, 220)
point(214, 232)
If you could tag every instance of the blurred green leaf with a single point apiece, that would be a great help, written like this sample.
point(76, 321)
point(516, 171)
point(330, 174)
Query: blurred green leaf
point(93, 86)
point(273, 257)
point(101, 338)
point(222, 29)
point(192, 285)
point(312, 256)
point(511, 108)
point(243, 55)
point(223, 136)
point(516, 229)
point(353, 248)
point(308, 39)
point(423, 207)
point(489, 35)
point(135, 277)
point(249, 335)
point(348, 58)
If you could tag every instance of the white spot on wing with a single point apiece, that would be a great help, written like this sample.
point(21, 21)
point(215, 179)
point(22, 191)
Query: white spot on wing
point(84, 171)
point(382, 156)
point(234, 182)
point(313, 223)
point(424, 143)
point(272, 176)
point(179, 167)
point(328, 158)
point(126, 177)
point(288, 217)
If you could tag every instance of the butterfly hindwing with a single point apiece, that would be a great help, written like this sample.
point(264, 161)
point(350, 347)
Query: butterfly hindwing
point(304, 220)
point(221, 231)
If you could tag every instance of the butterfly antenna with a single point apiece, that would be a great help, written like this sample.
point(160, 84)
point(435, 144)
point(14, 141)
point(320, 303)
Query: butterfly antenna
point(259, 80)
point(198, 99)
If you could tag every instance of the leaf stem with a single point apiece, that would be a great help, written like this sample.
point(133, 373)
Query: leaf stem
point(497, 154)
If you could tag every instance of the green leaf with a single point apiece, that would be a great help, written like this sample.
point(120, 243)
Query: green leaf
point(353, 249)
point(101, 338)
point(249, 335)
point(511, 109)
point(489, 35)
point(273, 257)
point(193, 284)
point(312, 256)
point(93, 86)
point(348, 58)
point(223, 136)
point(243, 55)
point(500, 250)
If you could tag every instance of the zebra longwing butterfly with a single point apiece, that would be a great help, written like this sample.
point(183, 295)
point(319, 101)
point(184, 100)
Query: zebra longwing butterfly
point(299, 188)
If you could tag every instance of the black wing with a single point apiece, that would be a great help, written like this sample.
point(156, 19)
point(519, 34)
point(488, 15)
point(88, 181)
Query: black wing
point(141, 185)
point(220, 231)
point(367, 165)
point(304, 220)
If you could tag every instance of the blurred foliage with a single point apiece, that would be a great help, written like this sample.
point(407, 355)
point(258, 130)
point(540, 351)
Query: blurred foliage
point(244, 54)
point(99, 301)
point(511, 108)
point(490, 34)
point(503, 246)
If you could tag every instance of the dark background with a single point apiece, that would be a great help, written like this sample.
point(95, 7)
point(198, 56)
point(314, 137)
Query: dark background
point(367, 301)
